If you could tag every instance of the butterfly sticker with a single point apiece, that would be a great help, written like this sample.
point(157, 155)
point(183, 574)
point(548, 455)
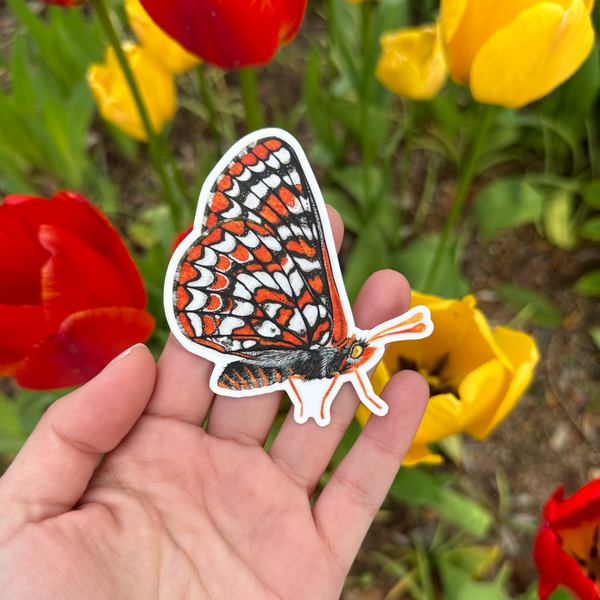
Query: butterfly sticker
point(256, 287)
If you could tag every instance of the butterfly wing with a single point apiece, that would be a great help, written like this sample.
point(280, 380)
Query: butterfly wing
point(259, 275)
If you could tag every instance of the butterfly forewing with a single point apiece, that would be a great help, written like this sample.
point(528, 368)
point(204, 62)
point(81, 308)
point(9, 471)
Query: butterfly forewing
point(259, 275)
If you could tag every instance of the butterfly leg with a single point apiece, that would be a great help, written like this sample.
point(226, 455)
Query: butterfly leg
point(367, 395)
point(291, 380)
point(335, 378)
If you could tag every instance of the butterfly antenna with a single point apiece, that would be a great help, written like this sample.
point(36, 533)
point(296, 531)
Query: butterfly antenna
point(414, 324)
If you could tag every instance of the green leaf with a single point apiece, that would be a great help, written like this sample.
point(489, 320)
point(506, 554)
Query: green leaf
point(32, 405)
point(417, 487)
point(350, 216)
point(558, 220)
point(591, 193)
point(530, 594)
point(590, 230)
point(473, 590)
point(415, 260)
point(317, 109)
point(541, 310)
point(595, 333)
point(561, 594)
point(368, 255)
point(588, 285)
point(352, 179)
point(21, 77)
point(505, 204)
point(12, 434)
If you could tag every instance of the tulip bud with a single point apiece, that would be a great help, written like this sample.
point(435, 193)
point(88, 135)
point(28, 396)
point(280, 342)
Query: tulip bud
point(115, 100)
point(412, 62)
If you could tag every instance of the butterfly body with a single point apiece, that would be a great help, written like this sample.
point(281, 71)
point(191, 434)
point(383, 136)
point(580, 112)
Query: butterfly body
point(256, 287)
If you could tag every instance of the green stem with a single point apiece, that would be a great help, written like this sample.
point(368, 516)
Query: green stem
point(366, 43)
point(406, 150)
point(208, 103)
point(154, 140)
point(254, 118)
point(465, 178)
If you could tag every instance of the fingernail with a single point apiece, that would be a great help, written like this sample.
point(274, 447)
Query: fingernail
point(124, 353)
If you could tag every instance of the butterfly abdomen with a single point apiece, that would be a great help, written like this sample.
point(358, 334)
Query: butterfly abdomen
point(276, 366)
point(241, 375)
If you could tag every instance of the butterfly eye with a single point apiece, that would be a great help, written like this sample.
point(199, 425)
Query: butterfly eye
point(357, 351)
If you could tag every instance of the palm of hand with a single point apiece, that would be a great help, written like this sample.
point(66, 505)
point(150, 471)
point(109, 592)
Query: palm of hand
point(175, 511)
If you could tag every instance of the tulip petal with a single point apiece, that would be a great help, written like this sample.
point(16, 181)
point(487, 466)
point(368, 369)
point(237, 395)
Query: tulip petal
point(21, 327)
point(419, 454)
point(164, 49)
point(526, 60)
point(412, 63)
point(22, 256)
point(85, 343)
point(229, 34)
point(77, 277)
point(481, 393)
point(556, 568)
point(451, 13)
point(72, 212)
point(583, 505)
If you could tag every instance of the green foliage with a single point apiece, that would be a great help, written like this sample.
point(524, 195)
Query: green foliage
point(416, 487)
point(46, 119)
point(505, 204)
point(531, 305)
point(588, 284)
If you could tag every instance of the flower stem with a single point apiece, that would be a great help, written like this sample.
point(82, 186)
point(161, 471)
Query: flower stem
point(465, 178)
point(154, 139)
point(208, 103)
point(254, 118)
point(365, 97)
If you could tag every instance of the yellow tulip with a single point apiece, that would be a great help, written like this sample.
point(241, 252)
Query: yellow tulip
point(476, 375)
point(165, 50)
point(412, 62)
point(512, 52)
point(115, 100)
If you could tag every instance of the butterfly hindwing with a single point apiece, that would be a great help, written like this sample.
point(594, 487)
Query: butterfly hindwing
point(259, 276)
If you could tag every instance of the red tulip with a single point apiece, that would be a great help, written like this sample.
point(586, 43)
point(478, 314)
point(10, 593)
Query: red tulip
point(231, 34)
point(69, 3)
point(180, 237)
point(71, 297)
point(566, 547)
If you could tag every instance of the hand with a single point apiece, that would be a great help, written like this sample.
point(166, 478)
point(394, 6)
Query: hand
point(174, 511)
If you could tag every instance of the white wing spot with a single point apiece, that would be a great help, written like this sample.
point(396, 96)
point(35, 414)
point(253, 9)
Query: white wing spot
point(266, 279)
point(283, 283)
point(267, 329)
point(271, 308)
point(249, 343)
point(251, 201)
point(250, 240)
point(307, 265)
point(233, 212)
point(227, 245)
point(284, 232)
point(311, 312)
point(283, 155)
point(271, 243)
point(209, 259)
point(272, 162)
point(242, 309)
point(198, 302)
point(241, 292)
point(206, 278)
point(297, 323)
point(196, 323)
point(322, 311)
point(296, 281)
point(250, 282)
point(260, 189)
point(228, 324)
point(259, 167)
point(272, 181)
